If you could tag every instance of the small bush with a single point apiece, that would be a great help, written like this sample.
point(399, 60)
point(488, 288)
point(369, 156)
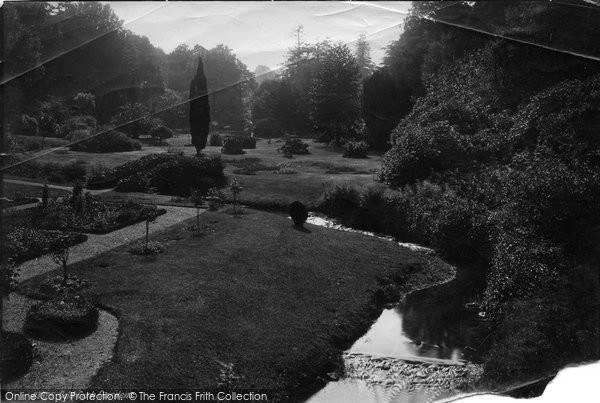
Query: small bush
point(267, 128)
point(215, 140)
point(152, 249)
point(112, 141)
point(356, 149)
point(29, 125)
point(294, 146)
point(17, 355)
point(232, 145)
point(161, 133)
point(61, 319)
point(299, 213)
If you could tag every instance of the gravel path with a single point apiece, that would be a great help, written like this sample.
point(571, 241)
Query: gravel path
point(101, 243)
point(73, 364)
point(63, 366)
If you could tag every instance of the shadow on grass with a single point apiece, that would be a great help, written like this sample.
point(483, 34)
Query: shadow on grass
point(301, 229)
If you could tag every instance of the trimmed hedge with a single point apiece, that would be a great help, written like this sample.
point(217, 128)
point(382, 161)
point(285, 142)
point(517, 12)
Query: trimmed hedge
point(17, 355)
point(61, 319)
point(299, 213)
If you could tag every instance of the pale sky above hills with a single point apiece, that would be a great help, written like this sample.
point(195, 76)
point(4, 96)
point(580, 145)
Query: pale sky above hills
point(261, 32)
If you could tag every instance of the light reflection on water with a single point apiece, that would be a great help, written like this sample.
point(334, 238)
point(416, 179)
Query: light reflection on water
point(429, 325)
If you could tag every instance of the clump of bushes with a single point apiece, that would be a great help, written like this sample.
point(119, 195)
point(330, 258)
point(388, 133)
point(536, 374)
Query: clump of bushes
point(161, 133)
point(106, 142)
point(17, 355)
point(151, 248)
point(267, 128)
point(215, 198)
point(294, 146)
point(61, 319)
point(169, 174)
point(237, 144)
point(356, 149)
point(215, 140)
point(232, 145)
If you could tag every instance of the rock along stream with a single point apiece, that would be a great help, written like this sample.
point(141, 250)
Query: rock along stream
point(418, 351)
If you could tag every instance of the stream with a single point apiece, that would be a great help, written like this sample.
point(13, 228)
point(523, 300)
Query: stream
point(417, 351)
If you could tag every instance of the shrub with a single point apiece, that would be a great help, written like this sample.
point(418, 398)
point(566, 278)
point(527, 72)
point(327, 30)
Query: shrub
point(60, 319)
point(356, 149)
point(29, 125)
point(17, 355)
point(106, 142)
point(170, 174)
point(153, 248)
point(233, 145)
point(294, 146)
point(341, 201)
point(299, 213)
point(28, 143)
point(161, 133)
point(215, 140)
point(267, 128)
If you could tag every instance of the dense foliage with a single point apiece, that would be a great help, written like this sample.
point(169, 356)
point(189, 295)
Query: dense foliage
point(166, 173)
point(106, 142)
point(497, 159)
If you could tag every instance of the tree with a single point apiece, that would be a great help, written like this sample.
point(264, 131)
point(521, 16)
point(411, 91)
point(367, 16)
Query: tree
point(363, 57)
point(199, 109)
point(335, 93)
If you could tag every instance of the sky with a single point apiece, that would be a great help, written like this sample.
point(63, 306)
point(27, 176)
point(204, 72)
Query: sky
point(260, 33)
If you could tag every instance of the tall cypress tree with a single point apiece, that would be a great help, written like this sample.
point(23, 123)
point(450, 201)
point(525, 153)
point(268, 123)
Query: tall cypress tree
point(199, 109)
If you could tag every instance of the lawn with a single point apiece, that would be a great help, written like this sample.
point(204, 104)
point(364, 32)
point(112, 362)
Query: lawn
point(278, 303)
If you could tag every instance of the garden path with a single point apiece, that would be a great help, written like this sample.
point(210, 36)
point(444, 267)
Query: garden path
point(101, 243)
point(72, 365)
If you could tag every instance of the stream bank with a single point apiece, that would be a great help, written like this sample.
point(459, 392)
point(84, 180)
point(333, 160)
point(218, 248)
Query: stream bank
point(422, 349)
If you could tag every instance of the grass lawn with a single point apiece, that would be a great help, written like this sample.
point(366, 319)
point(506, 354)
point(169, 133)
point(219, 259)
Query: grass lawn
point(277, 303)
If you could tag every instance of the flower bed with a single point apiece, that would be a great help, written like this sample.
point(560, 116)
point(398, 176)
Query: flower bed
point(92, 216)
point(61, 319)
point(23, 243)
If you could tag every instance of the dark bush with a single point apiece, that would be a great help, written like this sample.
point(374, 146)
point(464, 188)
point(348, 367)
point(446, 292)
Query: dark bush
point(299, 213)
point(161, 133)
point(341, 201)
point(267, 128)
point(215, 140)
point(233, 145)
point(294, 146)
point(153, 248)
point(17, 355)
point(29, 126)
point(356, 149)
point(170, 174)
point(112, 141)
point(61, 319)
